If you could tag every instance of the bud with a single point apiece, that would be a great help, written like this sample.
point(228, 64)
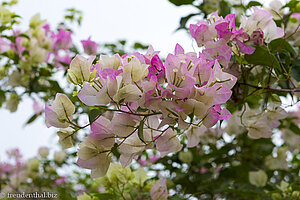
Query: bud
point(117, 174)
point(38, 55)
point(5, 16)
point(3, 72)
point(25, 65)
point(186, 157)
point(17, 79)
point(13, 102)
point(60, 156)
point(43, 152)
point(36, 21)
point(84, 196)
point(25, 42)
point(258, 178)
point(276, 196)
point(80, 69)
point(295, 195)
point(33, 164)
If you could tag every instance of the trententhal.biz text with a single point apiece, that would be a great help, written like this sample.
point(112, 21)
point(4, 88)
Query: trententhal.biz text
point(33, 195)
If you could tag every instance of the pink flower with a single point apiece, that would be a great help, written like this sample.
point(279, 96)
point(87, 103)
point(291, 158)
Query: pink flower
point(52, 118)
point(201, 33)
point(61, 180)
point(159, 190)
point(101, 132)
point(156, 68)
point(63, 40)
point(150, 54)
point(14, 153)
point(215, 114)
point(37, 108)
point(89, 46)
point(222, 53)
point(154, 158)
point(4, 45)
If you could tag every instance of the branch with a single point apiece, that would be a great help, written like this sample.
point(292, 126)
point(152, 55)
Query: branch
point(271, 89)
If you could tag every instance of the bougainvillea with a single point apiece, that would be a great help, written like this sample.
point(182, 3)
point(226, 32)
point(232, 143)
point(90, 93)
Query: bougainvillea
point(216, 123)
point(144, 101)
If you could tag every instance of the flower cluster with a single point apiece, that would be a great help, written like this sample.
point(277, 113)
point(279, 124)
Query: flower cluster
point(144, 101)
point(28, 56)
point(18, 175)
point(220, 36)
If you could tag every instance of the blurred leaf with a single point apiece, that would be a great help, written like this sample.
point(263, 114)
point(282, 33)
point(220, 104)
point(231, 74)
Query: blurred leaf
point(141, 131)
point(138, 45)
point(2, 97)
point(94, 114)
point(31, 119)
point(296, 70)
point(225, 8)
point(184, 20)
point(253, 3)
point(295, 128)
point(292, 5)
point(104, 195)
point(181, 2)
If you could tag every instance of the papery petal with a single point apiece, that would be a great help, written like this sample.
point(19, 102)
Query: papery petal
point(52, 118)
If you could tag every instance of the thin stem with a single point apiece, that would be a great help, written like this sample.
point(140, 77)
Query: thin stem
point(271, 89)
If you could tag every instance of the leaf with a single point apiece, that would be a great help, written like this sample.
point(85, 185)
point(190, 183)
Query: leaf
point(296, 70)
point(103, 195)
point(292, 5)
point(31, 119)
point(253, 3)
point(262, 56)
point(2, 97)
point(94, 114)
point(139, 109)
point(138, 45)
point(280, 43)
point(181, 2)
point(141, 131)
point(295, 128)
point(225, 9)
point(184, 20)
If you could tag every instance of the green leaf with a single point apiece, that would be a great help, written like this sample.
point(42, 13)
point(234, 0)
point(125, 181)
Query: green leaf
point(103, 195)
point(138, 45)
point(141, 131)
point(181, 2)
point(296, 70)
point(295, 128)
point(94, 114)
point(292, 5)
point(225, 9)
point(262, 56)
point(31, 119)
point(184, 20)
point(280, 43)
point(139, 109)
point(253, 3)
point(2, 97)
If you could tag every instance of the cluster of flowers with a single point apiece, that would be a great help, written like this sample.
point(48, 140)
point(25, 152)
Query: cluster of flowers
point(259, 124)
point(145, 100)
point(35, 47)
point(218, 32)
point(17, 175)
point(127, 184)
